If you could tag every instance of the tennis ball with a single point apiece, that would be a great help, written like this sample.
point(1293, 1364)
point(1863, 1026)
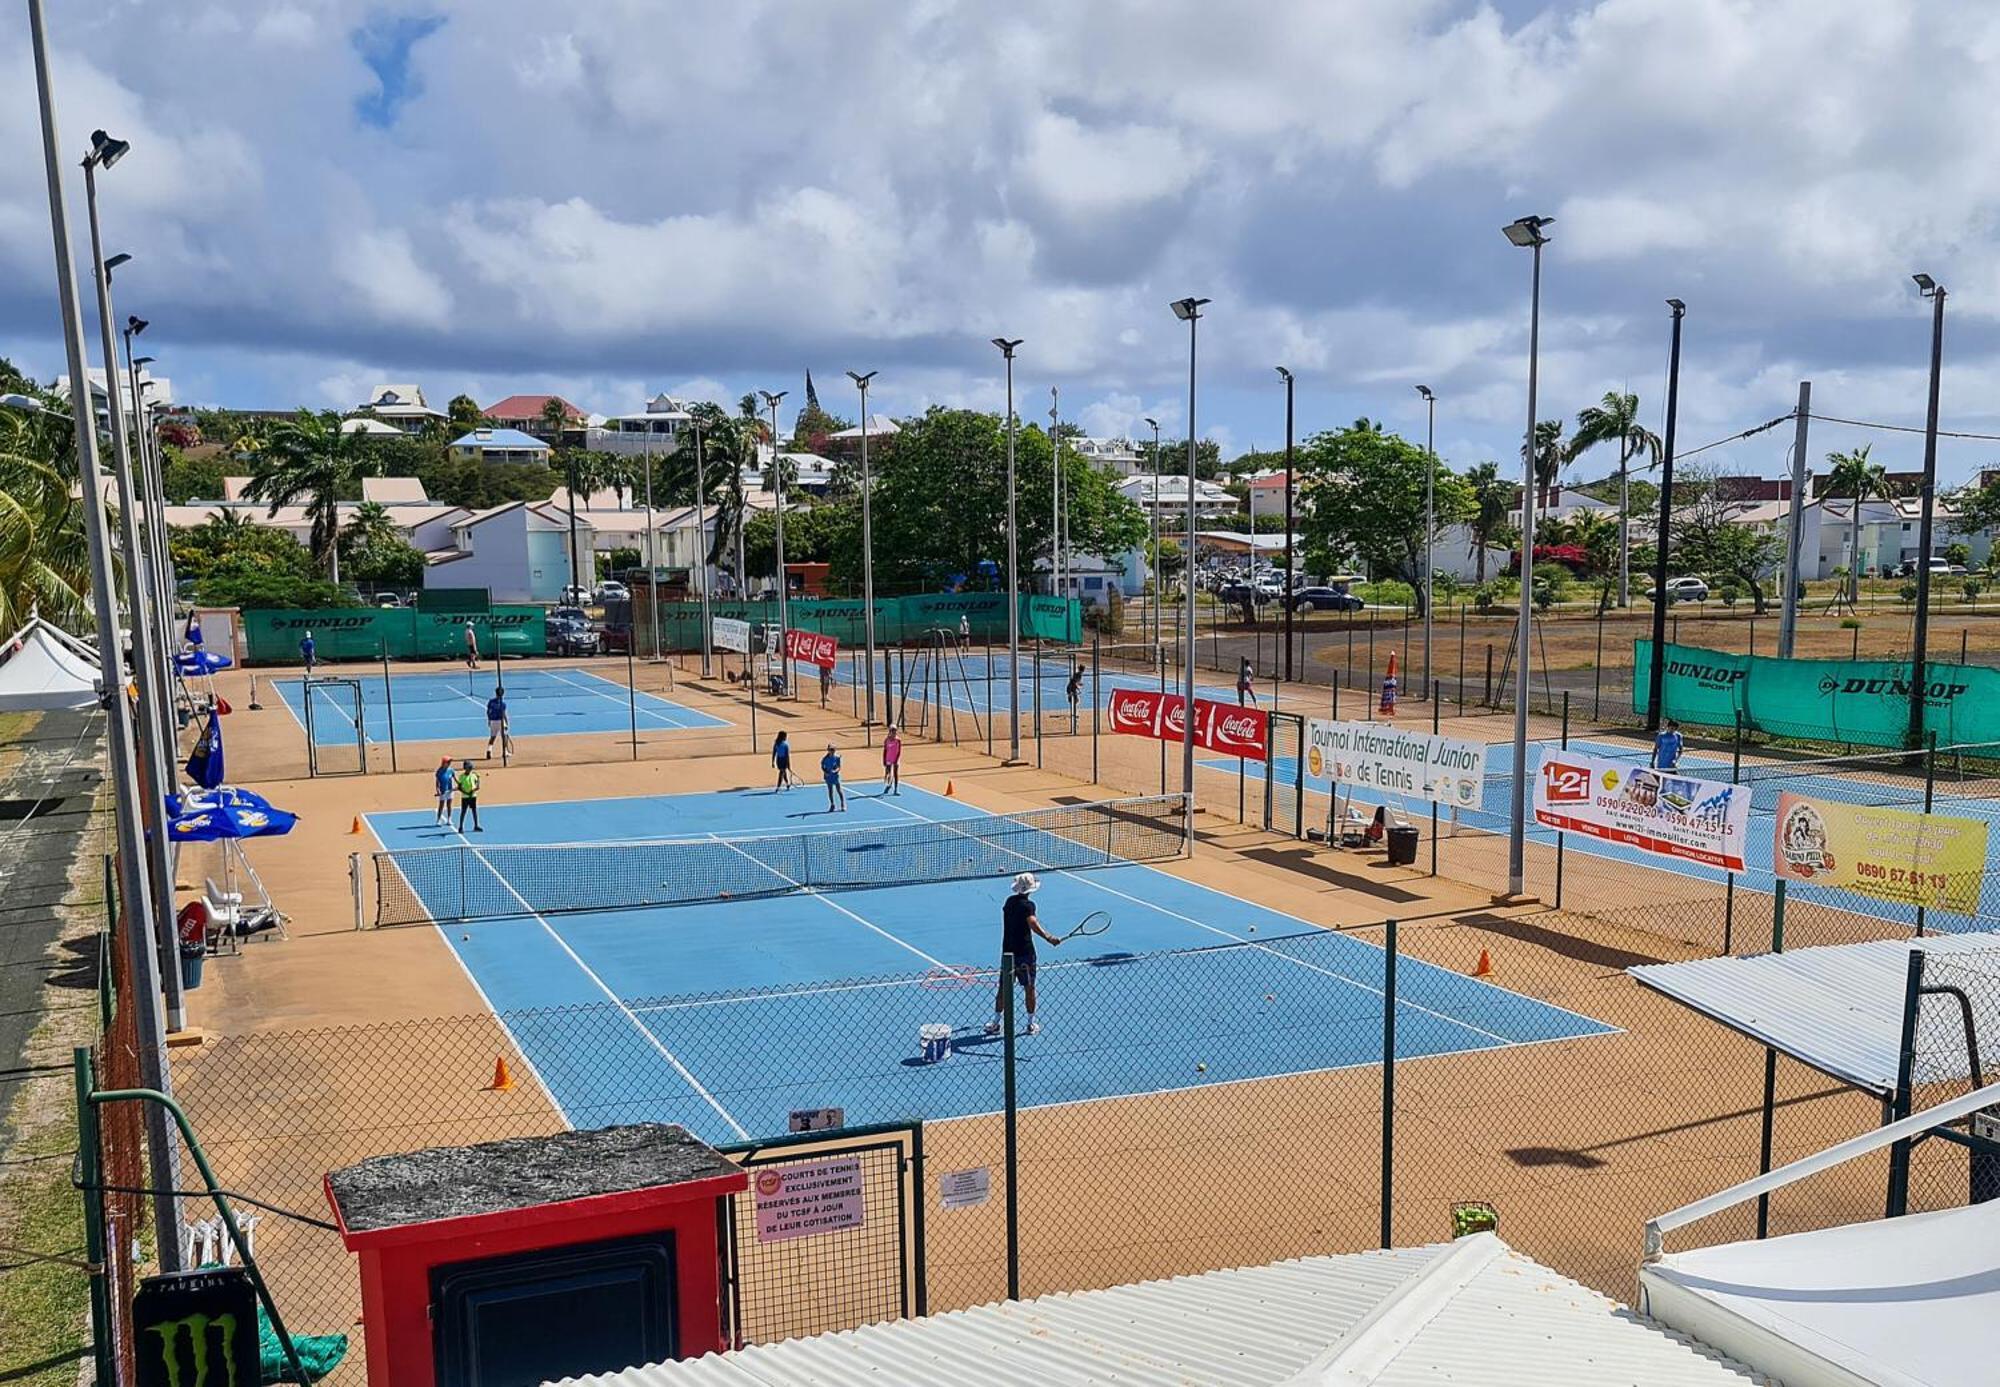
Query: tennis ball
point(1201, 1068)
point(1253, 929)
point(465, 936)
point(1270, 996)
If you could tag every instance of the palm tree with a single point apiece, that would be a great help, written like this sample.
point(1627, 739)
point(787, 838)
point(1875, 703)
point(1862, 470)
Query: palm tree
point(1593, 533)
point(1548, 452)
point(1615, 419)
point(307, 458)
point(1490, 498)
point(44, 559)
point(465, 414)
point(730, 447)
point(555, 418)
point(1854, 475)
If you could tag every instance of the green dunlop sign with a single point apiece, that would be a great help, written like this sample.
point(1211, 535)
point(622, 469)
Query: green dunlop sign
point(361, 633)
point(197, 1329)
point(1864, 702)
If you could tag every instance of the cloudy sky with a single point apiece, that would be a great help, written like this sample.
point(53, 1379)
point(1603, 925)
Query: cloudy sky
point(708, 196)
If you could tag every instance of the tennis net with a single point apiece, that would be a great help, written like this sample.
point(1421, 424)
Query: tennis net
point(462, 882)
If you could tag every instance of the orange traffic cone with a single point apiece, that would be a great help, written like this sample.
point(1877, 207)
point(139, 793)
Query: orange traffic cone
point(1484, 968)
point(948, 790)
point(503, 1082)
point(357, 825)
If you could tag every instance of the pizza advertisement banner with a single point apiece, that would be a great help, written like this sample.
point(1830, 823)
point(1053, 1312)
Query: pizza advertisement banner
point(1932, 860)
point(1703, 821)
point(1223, 728)
point(812, 648)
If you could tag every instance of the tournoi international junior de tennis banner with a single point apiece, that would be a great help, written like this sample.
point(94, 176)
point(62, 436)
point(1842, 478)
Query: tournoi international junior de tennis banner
point(1225, 728)
point(1932, 860)
point(1413, 765)
point(731, 634)
point(1662, 812)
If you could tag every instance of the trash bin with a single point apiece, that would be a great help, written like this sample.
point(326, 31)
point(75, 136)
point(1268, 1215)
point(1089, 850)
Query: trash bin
point(191, 961)
point(1402, 845)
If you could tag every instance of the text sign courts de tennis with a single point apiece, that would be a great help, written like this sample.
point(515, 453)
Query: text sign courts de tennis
point(1413, 765)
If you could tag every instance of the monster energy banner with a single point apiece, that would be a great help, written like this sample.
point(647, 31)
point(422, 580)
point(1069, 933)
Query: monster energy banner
point(196, 1329)
point(1864, 702)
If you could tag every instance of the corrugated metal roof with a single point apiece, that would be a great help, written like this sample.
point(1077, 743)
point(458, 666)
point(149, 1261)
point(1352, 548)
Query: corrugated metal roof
point(1837, 1008)
point(1474, 1311)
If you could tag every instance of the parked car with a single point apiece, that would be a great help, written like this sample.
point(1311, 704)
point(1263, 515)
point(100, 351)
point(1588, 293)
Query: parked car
point(1686, 590)
point(569, 633)
point(1237, 593)
point(612, 592)
point(575, 596)
point(1322, 598)
point(388, 599)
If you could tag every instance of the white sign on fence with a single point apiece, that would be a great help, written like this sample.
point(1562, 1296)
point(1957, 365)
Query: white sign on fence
point(965, 1189)
point(1657, 811)
point(731, 634)
point(1392, 760)
point(797, 1201)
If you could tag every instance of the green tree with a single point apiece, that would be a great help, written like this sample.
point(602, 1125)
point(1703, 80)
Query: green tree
point(1365, 501)
point(375, 552)
point(1615, 419)
point(234, 562)
point(465, 413)
point(184, 479)
point(1601, 541)
point(1549, 454)
point(555, 419)
point(1707, 539)
point(44, 561)
point(1492, 497)
point(1856, 476)
point(1958, 552)
point(307, 460)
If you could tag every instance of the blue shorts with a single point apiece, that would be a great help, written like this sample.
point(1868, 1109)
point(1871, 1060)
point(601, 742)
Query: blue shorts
point(833, 777)
point(1024, 969)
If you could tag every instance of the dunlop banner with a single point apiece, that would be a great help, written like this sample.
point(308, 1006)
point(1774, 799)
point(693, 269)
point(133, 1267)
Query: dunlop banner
point(272, 635)
point(1865, 702)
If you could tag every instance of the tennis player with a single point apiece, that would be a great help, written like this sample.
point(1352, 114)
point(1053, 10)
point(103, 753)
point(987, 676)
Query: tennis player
point(892, 762)
point(1075, 691)
point(1667, 747)
point(781, 757)
point(468, 796)
point(1246, 682)
point(829, 769)
point(446, 782)
point(471, 645)
point(964, 631)
point(1018, 928)
point(307, 650)
point(496, 724)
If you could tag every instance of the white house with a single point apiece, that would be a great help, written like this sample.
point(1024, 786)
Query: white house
point(1558, 503)
point(655, 430)
point(1169, 494)
point(156, 391)
point(518, 551)
point(370, 427)
point(1890, 530)
point(401, 405)
point(809, 471)
point(1114, 455)
point(500, 445)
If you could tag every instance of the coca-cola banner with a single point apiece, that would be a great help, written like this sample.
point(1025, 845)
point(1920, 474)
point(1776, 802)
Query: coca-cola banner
point(1224, 728)
point(812, 648)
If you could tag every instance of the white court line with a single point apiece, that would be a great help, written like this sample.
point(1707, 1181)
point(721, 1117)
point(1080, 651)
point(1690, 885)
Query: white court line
point(821, 896)
point(616, 1000)
point(628, 705)
point(1241, 939)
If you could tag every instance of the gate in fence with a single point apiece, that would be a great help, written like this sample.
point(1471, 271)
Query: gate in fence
point(830, 1234)
point(333, 712)
point(1285, 774)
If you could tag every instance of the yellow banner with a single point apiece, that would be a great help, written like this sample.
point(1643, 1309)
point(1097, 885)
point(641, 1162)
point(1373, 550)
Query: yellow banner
point(1895, 855)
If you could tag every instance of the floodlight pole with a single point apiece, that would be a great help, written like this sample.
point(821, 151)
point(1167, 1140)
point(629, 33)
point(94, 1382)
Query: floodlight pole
point(778, 488)
point(1933, 291)
point(1189, 311)
point(155, 556)
point(652, 556)
point(1159, 596)
point(140, 915)
point(867, 555)
point(1055, 494)
point(1788, 614)
point(1291, 575)
point(1007, 346)
point(1430, 525)
point(1656, 677)
point(1527, 231)
point(701, 543)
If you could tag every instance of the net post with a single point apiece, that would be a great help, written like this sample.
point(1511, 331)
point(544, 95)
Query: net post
point(354, 880)
point(1388, 1083)
point(389, 702)
point(631, 699)
point(1434, 804)
point(88, 1150)
point(1898, 1202)
point(1770, 1068)
point(1011, 1114)
point(1560, 836)
point(1096, 695)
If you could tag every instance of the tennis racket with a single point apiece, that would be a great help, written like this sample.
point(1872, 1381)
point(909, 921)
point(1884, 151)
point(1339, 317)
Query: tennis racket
point(1094, 923)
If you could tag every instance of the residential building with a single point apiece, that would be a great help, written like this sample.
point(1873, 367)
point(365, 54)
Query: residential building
point(157, 391)
point(1169, 494)
point(809, 472)
point(881, 431)
point(1114, 455)
point(518, 551)
point(654, 431)
point(501, 445)
point(524, 413)
point(1558, 503)
point(1899, 483)
point(404, 407)
point(370, 426)
point(1268, 488)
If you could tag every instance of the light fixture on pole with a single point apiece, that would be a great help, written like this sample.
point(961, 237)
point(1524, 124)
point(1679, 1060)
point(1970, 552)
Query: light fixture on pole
point(1291, 572)
point(141, 913)
point(1430, 526)
point(778, 488)
point(1527, 232)
point(702, 547)
point(1656, 674)
point(861, 380)
point(1189, 311)
point(1919, 647)
point(1007, 346)
point(1158, 569)
point(146, 476)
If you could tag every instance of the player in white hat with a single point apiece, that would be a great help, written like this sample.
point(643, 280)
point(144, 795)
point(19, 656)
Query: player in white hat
point(1018, 929)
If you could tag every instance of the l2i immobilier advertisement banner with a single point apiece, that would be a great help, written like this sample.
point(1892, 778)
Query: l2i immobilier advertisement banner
point(1932, 860)
point(1660, 812)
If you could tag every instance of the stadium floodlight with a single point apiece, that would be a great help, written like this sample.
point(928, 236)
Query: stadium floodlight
point(105, 151)
point(1525, 232)
point(1430, 525)
point(1657, 675)
point(1291, 563)
point(861, 379)
point(1006, 346)
point(1919, 645)
point(1188, 310)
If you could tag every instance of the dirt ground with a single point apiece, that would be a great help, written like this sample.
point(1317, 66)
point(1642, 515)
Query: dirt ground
point(337, 1043)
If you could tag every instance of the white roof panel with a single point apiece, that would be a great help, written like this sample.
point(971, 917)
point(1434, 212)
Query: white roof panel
point(1470, 1311)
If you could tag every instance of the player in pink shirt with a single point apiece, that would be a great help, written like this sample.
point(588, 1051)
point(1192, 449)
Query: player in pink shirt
point(892, 763)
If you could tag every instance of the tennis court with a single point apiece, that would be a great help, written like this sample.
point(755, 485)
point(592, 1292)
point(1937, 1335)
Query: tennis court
point(1766, 784)
point(972, 684)
point(451, 706)
point(899, 929)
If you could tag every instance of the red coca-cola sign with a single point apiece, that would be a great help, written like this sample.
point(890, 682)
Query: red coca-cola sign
point(812, 648)
point(1223, 728)
point(1231, 730)
point(1135, 712)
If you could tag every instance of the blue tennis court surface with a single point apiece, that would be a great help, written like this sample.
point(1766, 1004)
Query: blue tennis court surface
point(969, 689)
point(1491, 815)
point(814, 999)
point(451, 706)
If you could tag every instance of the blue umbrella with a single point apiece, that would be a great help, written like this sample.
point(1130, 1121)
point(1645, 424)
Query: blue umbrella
point(227, 817)
point(193, 632)
point(230, 795)
point(204, 763)
point(193, 662)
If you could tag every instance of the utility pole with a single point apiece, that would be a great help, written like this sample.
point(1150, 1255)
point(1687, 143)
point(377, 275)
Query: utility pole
point(1933, 291)
point(1291, 572)
point(1007, 346)
point(1788, 614)
point(1657, 675)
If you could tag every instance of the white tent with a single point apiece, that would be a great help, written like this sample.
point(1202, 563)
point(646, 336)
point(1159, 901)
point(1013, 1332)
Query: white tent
point(43, 668)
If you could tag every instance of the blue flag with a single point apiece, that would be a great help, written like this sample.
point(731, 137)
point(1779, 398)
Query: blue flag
point(204, 763)
point(193, 632)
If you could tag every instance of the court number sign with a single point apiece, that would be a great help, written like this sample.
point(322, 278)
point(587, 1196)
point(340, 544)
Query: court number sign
point(800, 1201)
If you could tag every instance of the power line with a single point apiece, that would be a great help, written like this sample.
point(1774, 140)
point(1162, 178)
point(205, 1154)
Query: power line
point(1737, 437)
point(1901, 428)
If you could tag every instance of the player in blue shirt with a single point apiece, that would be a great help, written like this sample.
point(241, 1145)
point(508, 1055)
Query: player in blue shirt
point(496, 724)
point(446, 783)
point(829, 768)
point(306, 651)
point(1667, 747)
